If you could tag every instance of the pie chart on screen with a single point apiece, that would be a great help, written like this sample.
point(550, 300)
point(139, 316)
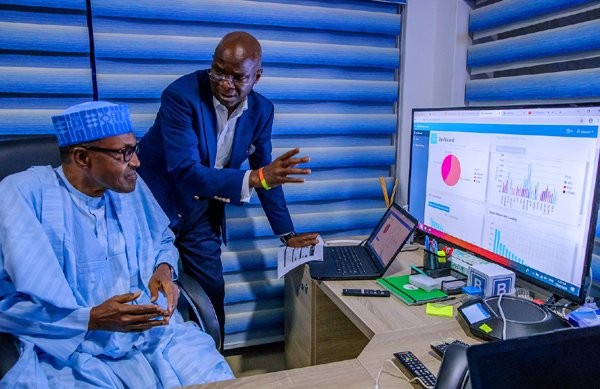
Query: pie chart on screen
point(450, 170)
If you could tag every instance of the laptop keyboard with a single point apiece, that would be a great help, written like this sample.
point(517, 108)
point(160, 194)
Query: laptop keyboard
point(346, 261)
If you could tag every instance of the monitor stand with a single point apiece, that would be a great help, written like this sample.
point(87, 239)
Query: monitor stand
point(524, 317)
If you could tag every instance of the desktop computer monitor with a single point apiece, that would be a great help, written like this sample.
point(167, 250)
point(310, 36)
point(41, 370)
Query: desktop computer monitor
point(565, 358)
point(514, 185)
point(559, 359)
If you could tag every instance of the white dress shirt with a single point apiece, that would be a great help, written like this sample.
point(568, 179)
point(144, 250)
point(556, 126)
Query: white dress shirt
point(226, 132)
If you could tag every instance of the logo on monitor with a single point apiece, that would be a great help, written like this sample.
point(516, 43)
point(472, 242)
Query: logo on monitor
point(433, 138)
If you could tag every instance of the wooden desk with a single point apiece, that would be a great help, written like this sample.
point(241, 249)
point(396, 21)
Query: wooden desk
point(316, 330)
point(363, 371)
point(346, 374)
point(323, 326)
point(418, 340)
point(340, 341)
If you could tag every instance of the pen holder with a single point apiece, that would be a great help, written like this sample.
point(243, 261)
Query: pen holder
point(432, 261)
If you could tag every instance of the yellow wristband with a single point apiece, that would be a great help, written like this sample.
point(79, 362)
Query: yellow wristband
point(262, 179)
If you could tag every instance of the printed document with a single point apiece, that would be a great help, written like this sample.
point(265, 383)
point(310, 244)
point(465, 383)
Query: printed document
point(289, 258)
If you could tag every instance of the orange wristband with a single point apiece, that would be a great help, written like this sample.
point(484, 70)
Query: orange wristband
point(262, 179)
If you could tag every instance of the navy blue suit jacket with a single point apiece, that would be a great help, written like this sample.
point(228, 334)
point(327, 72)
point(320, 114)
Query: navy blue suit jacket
point(178, 153)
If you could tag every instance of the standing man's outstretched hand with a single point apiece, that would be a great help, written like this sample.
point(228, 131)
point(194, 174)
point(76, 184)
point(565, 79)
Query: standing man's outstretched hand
point(277, 172)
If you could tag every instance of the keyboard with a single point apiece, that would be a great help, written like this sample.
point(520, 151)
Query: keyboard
point(346, 260)
point(440, 348)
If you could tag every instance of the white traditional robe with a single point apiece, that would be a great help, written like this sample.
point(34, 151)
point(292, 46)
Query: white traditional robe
point(62, 253)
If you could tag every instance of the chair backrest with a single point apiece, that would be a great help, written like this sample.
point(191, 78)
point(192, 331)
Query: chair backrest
point(9, 354)
point(19, 154)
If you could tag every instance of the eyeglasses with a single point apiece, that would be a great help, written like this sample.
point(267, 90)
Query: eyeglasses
point(219, 77)
point(127, 151)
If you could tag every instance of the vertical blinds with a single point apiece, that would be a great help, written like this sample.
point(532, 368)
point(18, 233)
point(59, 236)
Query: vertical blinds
point(535, 51)
point(44, 63)
point(330, 68)
point(527, 51)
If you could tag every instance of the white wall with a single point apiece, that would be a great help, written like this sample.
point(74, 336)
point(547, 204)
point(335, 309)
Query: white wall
point(433, 63)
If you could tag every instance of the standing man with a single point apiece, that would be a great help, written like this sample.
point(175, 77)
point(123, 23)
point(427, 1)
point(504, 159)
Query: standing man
point(87, 264)
point(209, 122)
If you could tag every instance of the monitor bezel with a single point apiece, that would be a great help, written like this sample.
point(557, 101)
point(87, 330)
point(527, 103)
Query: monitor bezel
point(595, 203)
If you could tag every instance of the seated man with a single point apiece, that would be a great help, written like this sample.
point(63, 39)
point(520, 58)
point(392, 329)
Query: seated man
point(87, 264)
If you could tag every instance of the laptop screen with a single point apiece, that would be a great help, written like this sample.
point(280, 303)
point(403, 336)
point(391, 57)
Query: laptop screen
point(391, 234)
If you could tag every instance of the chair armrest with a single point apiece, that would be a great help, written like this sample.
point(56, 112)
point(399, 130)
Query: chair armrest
point(9, 352)
point(201, 306)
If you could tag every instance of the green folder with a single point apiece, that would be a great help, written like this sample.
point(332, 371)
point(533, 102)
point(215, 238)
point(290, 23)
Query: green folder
point(410, 294)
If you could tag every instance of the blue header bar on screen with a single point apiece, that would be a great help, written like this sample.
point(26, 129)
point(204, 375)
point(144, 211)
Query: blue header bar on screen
point(575, 131)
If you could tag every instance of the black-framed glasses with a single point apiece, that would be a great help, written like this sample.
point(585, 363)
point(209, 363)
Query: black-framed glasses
point(127, 151)
point(219, 77)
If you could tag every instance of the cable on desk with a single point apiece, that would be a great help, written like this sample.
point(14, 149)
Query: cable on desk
point(560, 309)
point(588, 296)
point(382, 370)
point(503, 316)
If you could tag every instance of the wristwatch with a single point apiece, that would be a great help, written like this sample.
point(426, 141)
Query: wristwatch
point(285, 237)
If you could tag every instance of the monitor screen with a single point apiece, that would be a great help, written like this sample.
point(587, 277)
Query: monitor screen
point(514, 185)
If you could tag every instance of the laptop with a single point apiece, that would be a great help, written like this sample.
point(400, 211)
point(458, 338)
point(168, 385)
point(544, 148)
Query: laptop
point(371, 259)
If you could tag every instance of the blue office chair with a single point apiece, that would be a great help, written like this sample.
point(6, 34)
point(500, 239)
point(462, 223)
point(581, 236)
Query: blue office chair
point(18, 154)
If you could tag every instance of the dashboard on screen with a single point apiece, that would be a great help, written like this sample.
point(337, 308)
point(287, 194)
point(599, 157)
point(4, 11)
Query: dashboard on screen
point(514, 185)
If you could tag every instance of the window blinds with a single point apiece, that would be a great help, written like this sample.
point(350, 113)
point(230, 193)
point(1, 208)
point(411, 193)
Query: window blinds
point(330, 68)
point(529, 51)
point(536, 51)
point(44, 63)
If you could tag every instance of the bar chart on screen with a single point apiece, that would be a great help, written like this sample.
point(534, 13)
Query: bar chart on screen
point(540, 187)
point(526, 244)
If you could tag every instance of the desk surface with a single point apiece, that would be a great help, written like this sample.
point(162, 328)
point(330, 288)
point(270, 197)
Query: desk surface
point(418, 340)
point(391, 326)
point(345, 374)
point(379, 315)
point(363, 371)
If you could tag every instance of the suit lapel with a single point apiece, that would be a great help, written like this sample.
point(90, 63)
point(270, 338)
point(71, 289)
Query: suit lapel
point(207, 114)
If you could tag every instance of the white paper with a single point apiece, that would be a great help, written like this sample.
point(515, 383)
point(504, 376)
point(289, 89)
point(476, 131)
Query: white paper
point(289, 258)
